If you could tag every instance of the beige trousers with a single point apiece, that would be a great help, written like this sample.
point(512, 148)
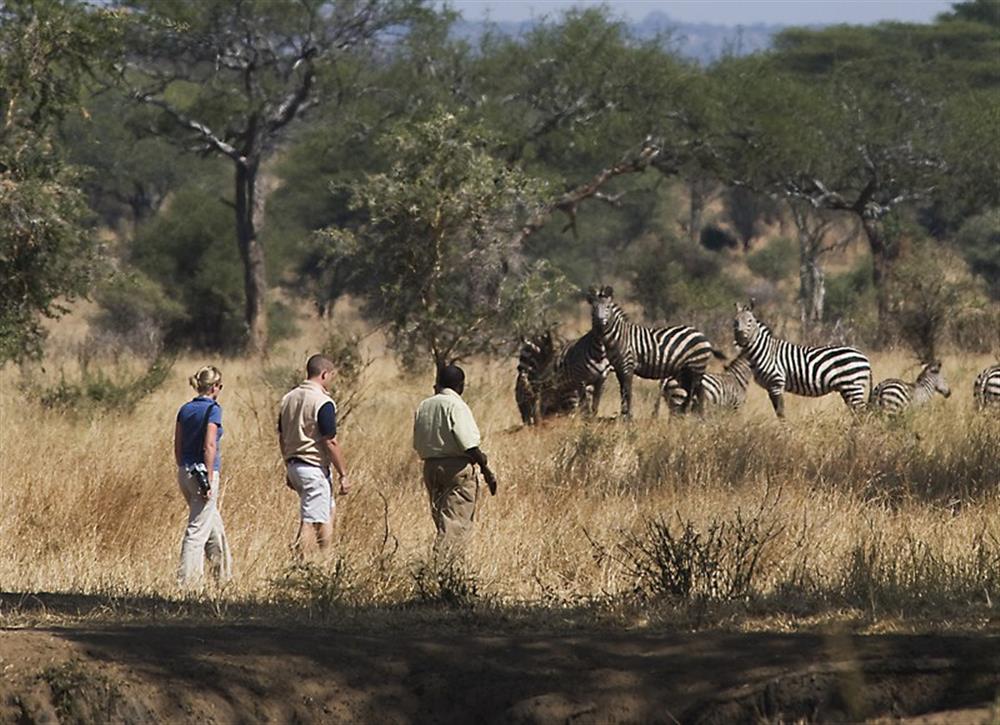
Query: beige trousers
point(452, 486)
point(204, 536)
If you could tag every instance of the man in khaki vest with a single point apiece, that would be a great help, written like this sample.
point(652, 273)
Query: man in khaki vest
point(307, 434)
point(446, 437)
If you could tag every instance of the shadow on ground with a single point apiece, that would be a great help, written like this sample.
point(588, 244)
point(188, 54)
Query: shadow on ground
point(436, 673)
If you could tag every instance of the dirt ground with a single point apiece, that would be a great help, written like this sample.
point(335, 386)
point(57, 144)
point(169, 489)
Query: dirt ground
point(175, 672)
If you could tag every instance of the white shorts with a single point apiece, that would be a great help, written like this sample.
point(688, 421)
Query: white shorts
point(314, 489)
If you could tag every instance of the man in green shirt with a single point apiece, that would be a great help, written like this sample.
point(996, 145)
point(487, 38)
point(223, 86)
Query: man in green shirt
point(446, 437)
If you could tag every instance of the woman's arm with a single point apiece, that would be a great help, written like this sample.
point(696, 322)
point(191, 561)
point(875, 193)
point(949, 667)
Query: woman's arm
point(210, 435)
point(177, 443)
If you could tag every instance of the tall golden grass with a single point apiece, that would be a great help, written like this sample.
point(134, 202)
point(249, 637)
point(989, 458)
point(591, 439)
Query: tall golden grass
point(881, 515)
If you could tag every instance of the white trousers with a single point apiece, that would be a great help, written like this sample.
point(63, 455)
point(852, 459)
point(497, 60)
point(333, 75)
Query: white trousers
point(205, 535)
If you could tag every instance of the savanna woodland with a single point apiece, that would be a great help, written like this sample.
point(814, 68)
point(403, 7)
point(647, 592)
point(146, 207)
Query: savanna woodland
point(244, 183)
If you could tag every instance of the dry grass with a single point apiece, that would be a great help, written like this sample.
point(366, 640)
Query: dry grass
point(888, 519)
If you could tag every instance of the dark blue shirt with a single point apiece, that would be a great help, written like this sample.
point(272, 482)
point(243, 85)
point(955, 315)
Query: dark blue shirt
point(191, 416)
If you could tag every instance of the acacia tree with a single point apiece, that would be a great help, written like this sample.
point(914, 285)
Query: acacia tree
point(814, 229)
point(229, 78)
point(47, 249)
point(437, 260)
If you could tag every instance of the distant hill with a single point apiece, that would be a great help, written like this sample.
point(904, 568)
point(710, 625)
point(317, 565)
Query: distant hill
point(702, 42)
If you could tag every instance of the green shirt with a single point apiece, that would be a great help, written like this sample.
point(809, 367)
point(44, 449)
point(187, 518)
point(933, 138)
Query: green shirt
point(443, 426)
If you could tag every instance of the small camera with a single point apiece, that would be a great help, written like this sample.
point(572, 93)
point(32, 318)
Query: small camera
point(200, 474)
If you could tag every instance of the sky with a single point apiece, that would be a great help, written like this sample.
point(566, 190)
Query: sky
point(722, 12)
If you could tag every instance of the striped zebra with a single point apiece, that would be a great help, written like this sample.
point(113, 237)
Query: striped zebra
point(726, 390)
point(551, 383)
point(653, 353)
point(780, 366)
point(893, 395)
point(986, 388)
point(534, 357)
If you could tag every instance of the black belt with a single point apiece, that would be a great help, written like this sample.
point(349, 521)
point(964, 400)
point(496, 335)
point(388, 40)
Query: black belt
point(295, 459)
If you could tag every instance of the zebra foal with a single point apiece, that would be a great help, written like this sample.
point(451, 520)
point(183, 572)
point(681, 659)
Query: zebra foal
point(893, 395)
point(986, 388)
point(653, 353)
point(779, 365)
point(726, 390)
point(550, 383)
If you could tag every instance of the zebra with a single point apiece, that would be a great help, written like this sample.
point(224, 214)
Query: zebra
point(727, 390)
point(536, 353)
point(986, 388)
point(893, 395)
point(653, 353)
point(550, 383)
point(779, 365)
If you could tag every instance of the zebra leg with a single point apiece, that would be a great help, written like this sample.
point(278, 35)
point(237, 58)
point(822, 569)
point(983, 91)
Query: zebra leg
point(625, 386)
point(697, 394)
point(777, 401)
point(595, 399)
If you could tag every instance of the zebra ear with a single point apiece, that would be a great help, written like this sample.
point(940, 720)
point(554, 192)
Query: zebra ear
point(591, 294)
point(608, 292)
point(753, 302)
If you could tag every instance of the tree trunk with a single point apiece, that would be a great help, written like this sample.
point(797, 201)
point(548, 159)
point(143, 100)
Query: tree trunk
point(812, 288)
point(881, 272)
point(252, 255)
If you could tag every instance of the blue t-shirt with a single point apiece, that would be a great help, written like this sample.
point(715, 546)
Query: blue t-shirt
point(191, 416)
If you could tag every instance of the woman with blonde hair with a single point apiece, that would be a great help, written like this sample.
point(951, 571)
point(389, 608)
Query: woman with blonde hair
point(196, 450)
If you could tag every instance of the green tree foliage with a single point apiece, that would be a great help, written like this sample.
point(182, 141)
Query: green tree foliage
point(435, 261)
point(187, 251)
point(868, 123)
point(978, 240)
point(47, 251)
point(229, 79)
point(676, 280)
point(126, 172)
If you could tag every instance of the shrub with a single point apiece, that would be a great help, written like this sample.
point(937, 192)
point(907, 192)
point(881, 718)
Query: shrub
point(135, 313)
point(102, 391)
point(775, 262)
point(448, 583)
point(673, 278)
point(720, 561)
point(978, 240)
point(849, 293)
point(927, 291)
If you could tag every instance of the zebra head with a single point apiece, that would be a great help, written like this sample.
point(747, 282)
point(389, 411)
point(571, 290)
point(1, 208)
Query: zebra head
point(746, 327)
point(602, 307)
point(931, 377)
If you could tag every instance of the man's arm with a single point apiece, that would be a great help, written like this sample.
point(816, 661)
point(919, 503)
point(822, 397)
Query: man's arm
point(327, 424)
point(479, 458)
point(337, 459)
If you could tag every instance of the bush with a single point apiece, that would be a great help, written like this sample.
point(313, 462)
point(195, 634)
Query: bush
point(775, 262)
point(673, 279)
point(189, 250)
point(135, 313)
point(927, 291)
point(849, 294)
point(721, 561)
point(978, 240)
point(100, 390)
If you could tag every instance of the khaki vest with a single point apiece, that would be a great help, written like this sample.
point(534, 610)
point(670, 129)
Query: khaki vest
point(299, 418)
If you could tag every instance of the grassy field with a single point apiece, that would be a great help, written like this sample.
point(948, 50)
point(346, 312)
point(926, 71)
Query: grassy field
point(773, 522)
